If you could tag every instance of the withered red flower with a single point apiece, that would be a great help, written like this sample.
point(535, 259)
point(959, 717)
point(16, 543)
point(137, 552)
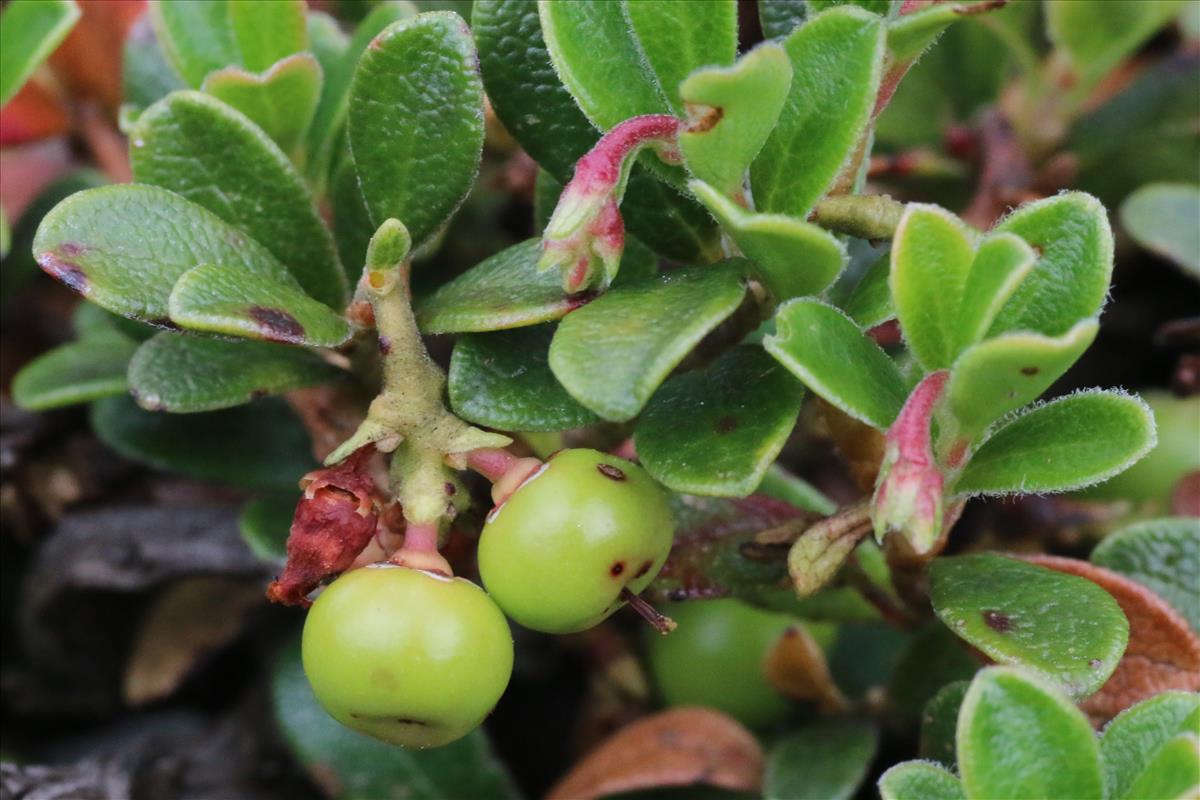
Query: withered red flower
point(334, 521)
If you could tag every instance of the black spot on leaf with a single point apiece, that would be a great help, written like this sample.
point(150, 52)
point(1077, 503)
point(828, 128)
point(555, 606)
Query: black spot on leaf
point(277, 325)
point(997, 621)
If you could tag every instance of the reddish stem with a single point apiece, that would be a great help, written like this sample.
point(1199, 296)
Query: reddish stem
point(661, 622)
point(491, 462)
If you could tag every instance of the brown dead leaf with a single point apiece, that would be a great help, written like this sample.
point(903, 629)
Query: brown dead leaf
point(1163, 653)
point(193, 618)
point(680, 747)
point(796, 667)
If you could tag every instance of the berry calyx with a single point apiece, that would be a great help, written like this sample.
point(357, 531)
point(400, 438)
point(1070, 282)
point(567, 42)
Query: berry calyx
point(558, 553)
point(411, 657)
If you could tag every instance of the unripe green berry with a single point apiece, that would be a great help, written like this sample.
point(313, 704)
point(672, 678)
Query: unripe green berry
point(556, 555)
point(717, 658)
point(410, 657)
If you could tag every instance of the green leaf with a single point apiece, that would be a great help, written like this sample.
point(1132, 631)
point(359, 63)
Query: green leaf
point(84, 370)
point(1172, 772)
point(266, 31)
point(1019, 738)
point(791, 257)
point(330, 115)
point(505, 291)
point(366, 769)
point(184, 374)
point(265, 523)
point(827, 351)
point(837, 59)
point(1070, 280)
point(932, 658)
point(416, 121)
point(1173, 456)
point(781, 17)
point(678, 38)
point(352, 224)
point(1136, 737)
point(89, 318)
point(209, 153)
point(1161, 218)
point(782, 485)
point(1001, 263)
point(1067, 444)
point(599, 59)
point(614, 352)
point(503, 381)
point(870, 301)
point(939, 722)
point(1020, 613)
point(919, 780)
point(224, 299)
point(716, 431)
point(1145, 133)
point(541, 114)
point(146, 75)
point(745, 101)
point(1096, 34)
point(196, 36)
point(931, 258)
point(822, 761)
point(281, 101)
point(1005, 373)
point(257, 446)
point(123, 247)
point(29, 32)
point(1161, 554)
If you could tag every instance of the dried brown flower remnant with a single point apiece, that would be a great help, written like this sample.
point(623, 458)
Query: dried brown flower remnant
point(334, 521)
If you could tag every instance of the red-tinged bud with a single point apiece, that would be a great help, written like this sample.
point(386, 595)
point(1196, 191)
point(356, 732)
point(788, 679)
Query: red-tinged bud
point(334, 521)
point(909, 492)
point(586, 235)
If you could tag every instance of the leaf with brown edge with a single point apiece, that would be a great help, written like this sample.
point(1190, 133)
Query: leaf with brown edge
point(796, 666)
point(1163, 653)
point(681, 747)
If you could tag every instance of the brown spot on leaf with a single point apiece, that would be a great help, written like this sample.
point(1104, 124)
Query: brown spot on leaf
point(277, 325)
point(1030, 370)
point(726, 424)
point(702, 119)
point(71, 249)
point(610, 472)
point(997, 621)
point(1163, 652)
point(65, 272)
point(680, 747)
point(450, 489)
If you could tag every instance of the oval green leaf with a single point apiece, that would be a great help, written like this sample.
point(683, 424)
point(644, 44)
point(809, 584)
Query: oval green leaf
point(257, 446)
point(1063, 627)
point(612, 353)
point(281, 100)
point(503, 380)
point(196, 36)
point(1162, 555)
point(226, 300)
point(186, 374)
point(1001, 263)
point(679, 38)
point(1008, 371)
point(822, 761)
point(1161, 218)
point(1136, 736)
point(791, 257)
point(919, 780)
point(1069, 282)
point(29, 32)
point(826, 350)
point(931, 258)
point(1067, 444)
point(716, 431)
point(939, 720)
point(123, 247)
point(837, 58)
point(416, 121)
point(1173, 772)
point(267, 30)
point(1019, 738)
point(88, 369)
point(211, 154)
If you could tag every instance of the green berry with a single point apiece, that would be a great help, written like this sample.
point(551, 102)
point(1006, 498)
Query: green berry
point(716, 658)
point(410, 657)
point(556, 555)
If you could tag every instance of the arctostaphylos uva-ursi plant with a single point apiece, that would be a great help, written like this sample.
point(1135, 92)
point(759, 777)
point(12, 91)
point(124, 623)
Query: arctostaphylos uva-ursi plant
point(714, 274)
